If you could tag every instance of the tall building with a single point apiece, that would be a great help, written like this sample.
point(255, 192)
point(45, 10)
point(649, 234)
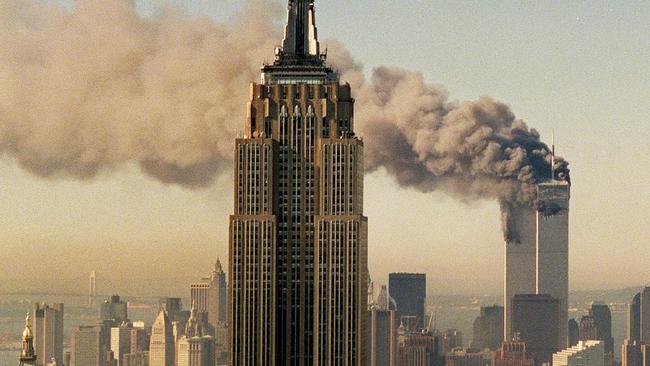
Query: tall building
point(587, 328)
point(513, 353)
point(121, 341)
point(488, 328)
point(195, 347)
point(48, 333)
point(574, 332)
point(644, 316)
point(382, 337)
point(210, 297)
point(589, 353)
point(114, 310)
point(603, 319)
point(409, 291)
point(162, 342)
point(450, 339)
point(634, 319)
point(298, 237)
point(537, 254)
point(27, 354)
point(88, 345)
point(534, 321)
point(631, 353)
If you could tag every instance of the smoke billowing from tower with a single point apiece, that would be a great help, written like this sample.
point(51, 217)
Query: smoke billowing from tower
point(88, 91)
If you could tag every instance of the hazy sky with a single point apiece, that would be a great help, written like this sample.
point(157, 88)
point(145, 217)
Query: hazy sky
point(577, 67)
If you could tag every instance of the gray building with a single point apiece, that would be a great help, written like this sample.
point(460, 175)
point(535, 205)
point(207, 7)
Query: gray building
point(488, 328)
point(534, 319)
point(382, 337)
point(644, 316)
point(409, 291)
point(298, 237)
point(114, 310)
point(634, 319)
point(48, 332)
point(603, 319)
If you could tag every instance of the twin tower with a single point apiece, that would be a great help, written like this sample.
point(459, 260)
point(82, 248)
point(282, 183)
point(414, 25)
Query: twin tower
point(298, 237)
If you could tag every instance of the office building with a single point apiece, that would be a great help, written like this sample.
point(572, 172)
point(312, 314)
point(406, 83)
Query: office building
point(603, 319)
point(114, 310)
point(488, 328)
point(631, 354)
point(589, 353)
point(468, 357)
point(140, 358)
point(88, 345)
point(210, 296)
point(409, 291)
point(195, 347)
point(537, 253)
point(634, 319)
point(298, 237)
point(382, 337)
point(644, 316)
point(513, 353)
point(162, 342)
point(418, 349)
point(48, 333)
point(588, 329)
point(121, 341)
point(574, 332)
point(533, 320)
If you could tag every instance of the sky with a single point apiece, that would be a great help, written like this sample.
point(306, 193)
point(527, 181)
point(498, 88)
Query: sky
point(577, 68)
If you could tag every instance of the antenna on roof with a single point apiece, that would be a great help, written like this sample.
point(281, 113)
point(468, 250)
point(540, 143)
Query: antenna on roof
point(553, 156)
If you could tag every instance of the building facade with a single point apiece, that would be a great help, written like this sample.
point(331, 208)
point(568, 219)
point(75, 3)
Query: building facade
point(513, 353)
point(409, 291)
point(589, 353)
point(382, 337)
point(634, 319)
point(298, 237)
point(162, 343)
point(534, 320)
point(468, 357)
point(88, 345)
point(48, 332)
point(114, 310)
point(210, 297)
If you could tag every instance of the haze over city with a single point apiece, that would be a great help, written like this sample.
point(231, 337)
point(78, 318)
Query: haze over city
point(568, 68)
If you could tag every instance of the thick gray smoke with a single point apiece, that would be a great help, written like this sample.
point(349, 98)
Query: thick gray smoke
point(89, 90)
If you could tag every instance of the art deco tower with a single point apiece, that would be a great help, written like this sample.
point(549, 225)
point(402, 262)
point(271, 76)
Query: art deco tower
point(298, 237)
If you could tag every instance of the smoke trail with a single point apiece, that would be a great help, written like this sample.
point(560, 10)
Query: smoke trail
point(87, 91)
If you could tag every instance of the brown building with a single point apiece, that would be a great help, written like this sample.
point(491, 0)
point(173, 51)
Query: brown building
point(298, 237)
point(419, 349)
point(513, 353)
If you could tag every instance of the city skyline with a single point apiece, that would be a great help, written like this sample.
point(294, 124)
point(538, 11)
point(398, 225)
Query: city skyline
point(53, 231)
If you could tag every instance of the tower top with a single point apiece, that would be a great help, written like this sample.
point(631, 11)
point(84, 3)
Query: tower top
point(27, 354)
point(300, 34)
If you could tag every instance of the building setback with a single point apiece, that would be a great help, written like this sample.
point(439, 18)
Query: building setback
point(589, 353)
point(298, 237)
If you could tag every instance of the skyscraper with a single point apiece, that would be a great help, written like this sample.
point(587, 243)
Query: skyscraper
point(534, 319)
point(644, 316)
point(27, 354)
point(537, 260)
point(382, 337)
point(298, 237)
point(585, 353)
point(603, 319)
point(88, 345)
point(409, 290)
point(48, 333)
point(114, 310)
point(162, 343)
point(488, 328)
point(195, 347)
point(634, 319)
point(210, 297)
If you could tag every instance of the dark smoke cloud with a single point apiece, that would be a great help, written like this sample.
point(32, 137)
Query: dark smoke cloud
point(90, 90)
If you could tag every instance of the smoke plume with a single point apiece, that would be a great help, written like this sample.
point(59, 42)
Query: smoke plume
point(88, 90)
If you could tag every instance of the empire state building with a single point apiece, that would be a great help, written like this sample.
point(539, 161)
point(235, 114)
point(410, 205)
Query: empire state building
point(298, 237)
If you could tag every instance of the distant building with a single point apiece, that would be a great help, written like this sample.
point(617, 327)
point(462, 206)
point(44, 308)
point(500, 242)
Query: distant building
point(28, 355)
point(589, 353)
point(468, 357)
point(121, 341)
point(513, 353)
point(533, 320)
point(574, 332)
point(450, 339)
point(136, 359)
point(419, 349)
point(382, 302)
point(48, 333)
point(588, 329)
point(162, 343)
point(88, 345)
point(631, 353)
point(382, 337)
point(92, 288)
point(634, 319)
point(603, 319)
point(409, 290)
point(644, 316)
point(114, 310)
point(195, 348)
point(488, 328)
point(210, 296)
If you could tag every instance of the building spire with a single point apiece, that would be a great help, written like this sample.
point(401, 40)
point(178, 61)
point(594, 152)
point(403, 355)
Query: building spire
point(27, 355)
point(300, 34)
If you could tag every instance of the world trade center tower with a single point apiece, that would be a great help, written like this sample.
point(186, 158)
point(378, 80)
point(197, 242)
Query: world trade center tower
point(298, 237)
